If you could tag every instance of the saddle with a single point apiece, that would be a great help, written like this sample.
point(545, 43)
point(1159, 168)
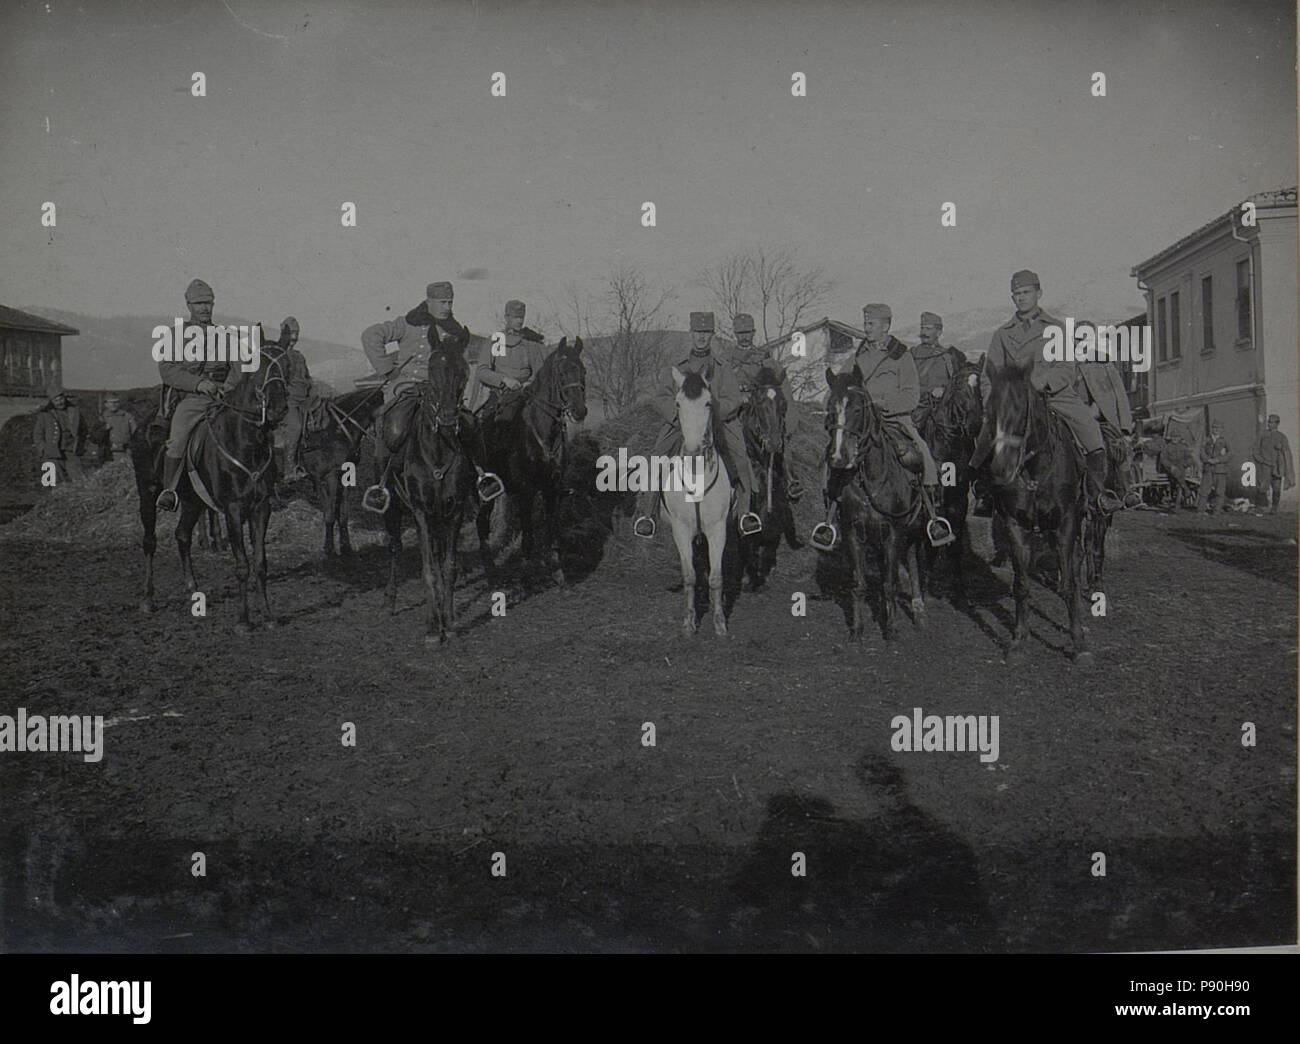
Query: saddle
point(395, 422)
point(316, 415)
point(908, 455)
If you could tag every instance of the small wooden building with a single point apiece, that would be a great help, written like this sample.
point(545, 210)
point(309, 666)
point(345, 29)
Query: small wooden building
point(31, 353)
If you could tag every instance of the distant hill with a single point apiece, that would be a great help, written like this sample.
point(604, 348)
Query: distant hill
point(113, 352)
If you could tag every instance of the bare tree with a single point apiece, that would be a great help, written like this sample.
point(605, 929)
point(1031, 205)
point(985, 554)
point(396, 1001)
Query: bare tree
point(728, 281)
point(771, 284)
point(624, 335)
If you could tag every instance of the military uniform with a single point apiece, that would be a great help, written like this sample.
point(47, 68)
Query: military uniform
point(1273, 467)
point(59, 436)
point(121, 426)
point(523, 358)
point(1215, 452)
point(298, 387)
point(747, 363)
point(183, 380)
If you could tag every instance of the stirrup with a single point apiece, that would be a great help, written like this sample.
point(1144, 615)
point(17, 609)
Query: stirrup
point(825, 536)
point(489, 486)
point(939, 531)
point(373, 502)
point(750, 524)
point(167, 500)
point(1108, 502)
point(794, 489)
point(647, 530)
point(1132, 499)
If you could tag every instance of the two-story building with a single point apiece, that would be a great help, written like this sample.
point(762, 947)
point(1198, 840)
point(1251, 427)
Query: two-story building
point(1222, 304)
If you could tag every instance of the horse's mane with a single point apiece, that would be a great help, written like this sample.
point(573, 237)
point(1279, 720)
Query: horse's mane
point(768, 377)
point(693, 386)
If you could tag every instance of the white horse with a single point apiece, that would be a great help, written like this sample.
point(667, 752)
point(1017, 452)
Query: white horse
point(702, 507)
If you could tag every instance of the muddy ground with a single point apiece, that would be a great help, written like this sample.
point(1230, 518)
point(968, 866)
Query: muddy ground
point(524, 737)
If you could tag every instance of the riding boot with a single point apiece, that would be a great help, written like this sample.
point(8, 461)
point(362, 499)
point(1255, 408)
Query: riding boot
point(288, 466)
point(826, 534)
point(1105, 500)
point(470, 434)
point(167, 498)
point(983, 494)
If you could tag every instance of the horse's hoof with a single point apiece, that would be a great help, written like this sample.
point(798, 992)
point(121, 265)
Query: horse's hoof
point(920, 620)
point(1013, 655)
point(1084, 658)
point(329, 551)
point(243, 627)
point(433, 639)
point(147, 605)
point(345, 550)
point(688, 629)
point(270, 623)
point(720, 626)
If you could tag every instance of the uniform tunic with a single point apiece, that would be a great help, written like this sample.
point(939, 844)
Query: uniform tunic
point(889, 374)
point(298, 381)
point(725, 391)
point(184, 378)
point(1019, 344)
point(57, 437)
point(1103, 385)
point(935, 366)
point(1273, 454)
point(416, 334)
point(121, 426)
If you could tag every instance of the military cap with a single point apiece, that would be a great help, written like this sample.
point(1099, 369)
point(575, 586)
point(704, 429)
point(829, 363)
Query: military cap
point(743, 323)
point(515, 308)
point(701, 322)
point(1275, 417)
point(112, 400)
point(290, 322)
point(438, 291)
point(198, 291)
point(930, 319)
point(1024, 278)
point(877, 311)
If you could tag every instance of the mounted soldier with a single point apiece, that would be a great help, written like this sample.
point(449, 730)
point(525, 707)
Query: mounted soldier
point(189, 388)
point(747, 361)
point(59, 436)
point(725, 392)
point(1019, 345)
point(935, 365)
point(889, 375)
point(506, 376)
point(298, 379)
point(428, 327)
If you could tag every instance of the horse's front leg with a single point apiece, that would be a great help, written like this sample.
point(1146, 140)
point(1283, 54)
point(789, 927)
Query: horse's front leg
point(433, 596)
point(452, 539)
point(393, 523)
point(191, 512)
point(235, 525)
point(527, 539)
point(858, 556)
point(914, 578)
point(332, 497)
point(259, 521)
point(147, 491)
point(483, 525)
point(1020, 585)
point(1071, 554)
point(717, 538)
point(889, 579)
point(684, 538)
point(341, 517)
point(551, 551)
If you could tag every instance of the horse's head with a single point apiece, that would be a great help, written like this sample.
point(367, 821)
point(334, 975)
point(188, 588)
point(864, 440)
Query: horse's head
point(765, 412)
point(961, 407)
point(694, 413)
point(1010, 409)
point(850, 417)
point(447, 374)
point(267, 387)
point(570, 378)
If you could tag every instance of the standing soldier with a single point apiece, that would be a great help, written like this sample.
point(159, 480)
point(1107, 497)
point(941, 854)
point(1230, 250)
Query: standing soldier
point(1273, 466)
point(1019, 345)
point(298, 381)
point(195, 385)
point(427, 327)
point(935, 364)
point(889, 375)
point(509, 374)
point(1214, 468)
point(60, 435)
point(121, 424)
point(726, 402)
point(746, 361)
point(1102, 388)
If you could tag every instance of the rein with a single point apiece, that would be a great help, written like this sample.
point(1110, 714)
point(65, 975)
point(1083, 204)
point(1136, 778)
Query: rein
point(864, 440)
point(246, 414)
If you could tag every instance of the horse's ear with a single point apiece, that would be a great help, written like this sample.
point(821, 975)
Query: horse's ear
point(780, 377)
point(830, 377)
point(856, 375)
point(577, 346)
point(563, 346)
point(678, 377)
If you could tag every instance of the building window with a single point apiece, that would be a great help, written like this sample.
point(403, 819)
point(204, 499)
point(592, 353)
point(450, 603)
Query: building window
point(1207, 315)
point(1162, 330)
point(1243, 300)
point(1175, 328)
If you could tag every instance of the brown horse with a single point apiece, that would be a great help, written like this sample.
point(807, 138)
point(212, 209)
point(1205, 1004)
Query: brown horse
point(763, 424)
point(231, 452)
point(345, 422)
point(1038, 480)
point(434, 480)
point(880, 499)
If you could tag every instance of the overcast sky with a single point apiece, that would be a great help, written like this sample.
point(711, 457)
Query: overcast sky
point(608, 105)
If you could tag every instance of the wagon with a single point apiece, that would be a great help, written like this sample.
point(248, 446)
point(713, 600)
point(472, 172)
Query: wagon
point(1155, 487)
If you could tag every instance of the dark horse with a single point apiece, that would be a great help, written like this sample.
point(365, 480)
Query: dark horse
point(951, 426)
point(231, 452)
point(433, 478)
point(1038, 480)
point(763, 422)
point(331, 440)
point(879, 498)
point(528, 451)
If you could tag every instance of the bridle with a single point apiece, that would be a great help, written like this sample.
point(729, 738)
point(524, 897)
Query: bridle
point(861, 439)
point(757, 432)
point(1018, 442)
point(243, 413)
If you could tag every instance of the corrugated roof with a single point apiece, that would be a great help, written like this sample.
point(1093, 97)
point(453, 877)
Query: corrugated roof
point(15, 319)
point(1271, 198)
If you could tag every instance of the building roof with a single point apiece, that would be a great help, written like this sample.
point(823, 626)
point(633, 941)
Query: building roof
point(1271, 198)
point(838, 327)
point(14, 319)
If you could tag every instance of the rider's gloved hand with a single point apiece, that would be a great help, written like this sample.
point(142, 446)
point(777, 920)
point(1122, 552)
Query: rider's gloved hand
point(207, 386)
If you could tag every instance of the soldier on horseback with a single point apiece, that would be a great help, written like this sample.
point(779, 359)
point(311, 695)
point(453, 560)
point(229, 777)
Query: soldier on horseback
point(193, 386)
point(426, 328)
point(747, 361)
point(508, 374)
point(1019, 344)
point(889, 375)
point(935, 365)
point(726, 395)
